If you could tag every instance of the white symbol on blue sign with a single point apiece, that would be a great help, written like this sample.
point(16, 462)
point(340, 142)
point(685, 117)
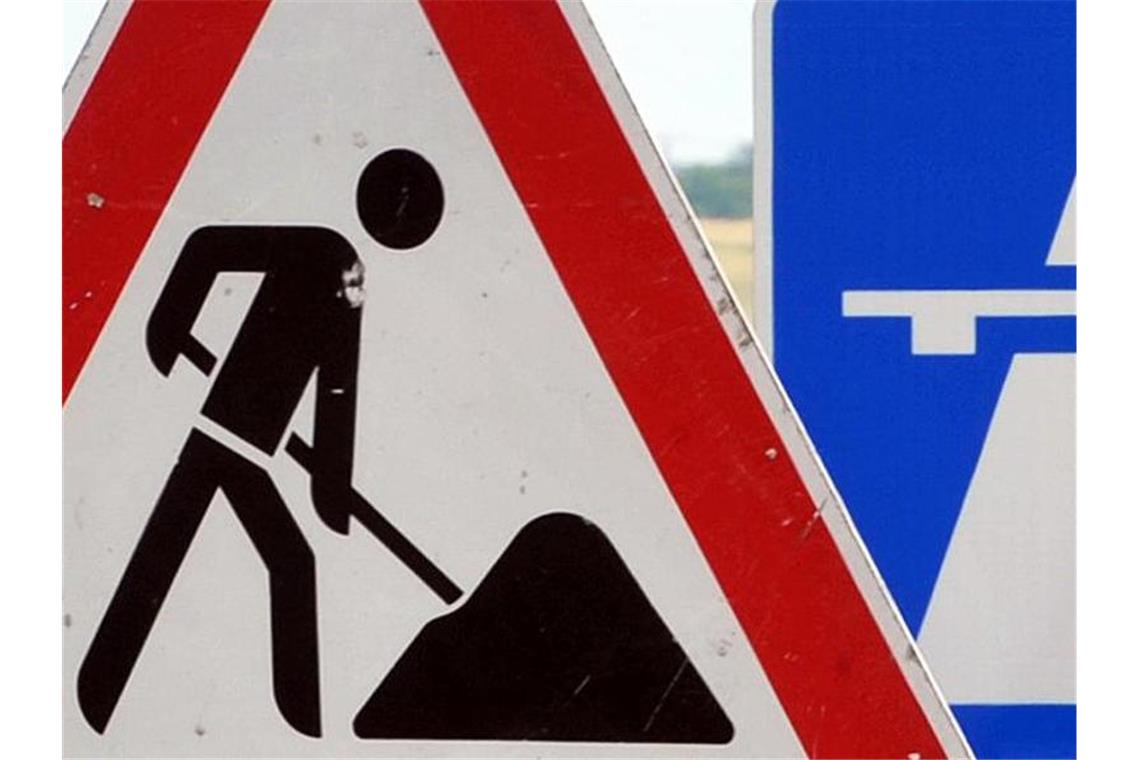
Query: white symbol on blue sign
point(1002, 603)
point(923, 302)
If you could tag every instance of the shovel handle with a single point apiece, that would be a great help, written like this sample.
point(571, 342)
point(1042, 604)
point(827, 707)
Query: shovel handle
point(384, 531)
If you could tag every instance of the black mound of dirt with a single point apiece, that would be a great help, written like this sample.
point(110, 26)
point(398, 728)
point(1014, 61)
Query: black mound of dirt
point(558, 643)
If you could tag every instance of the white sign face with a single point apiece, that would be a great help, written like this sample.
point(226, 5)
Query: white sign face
point(407, 415)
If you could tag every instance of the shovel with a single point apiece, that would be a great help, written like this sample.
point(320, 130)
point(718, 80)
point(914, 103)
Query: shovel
point(385, 532)
point(557, 643)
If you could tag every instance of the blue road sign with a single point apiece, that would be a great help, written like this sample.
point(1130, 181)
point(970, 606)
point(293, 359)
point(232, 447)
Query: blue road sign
point(921, 313)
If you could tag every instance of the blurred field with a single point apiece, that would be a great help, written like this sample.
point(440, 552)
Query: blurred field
point(731, 240)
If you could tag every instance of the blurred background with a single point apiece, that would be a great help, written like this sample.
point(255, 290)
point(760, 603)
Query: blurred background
point(688, 67)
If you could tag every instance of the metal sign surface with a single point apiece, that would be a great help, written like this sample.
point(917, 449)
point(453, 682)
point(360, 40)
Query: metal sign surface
point(406, 414)
point(917, 290)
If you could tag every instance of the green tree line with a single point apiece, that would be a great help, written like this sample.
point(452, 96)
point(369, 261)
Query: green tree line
point(722, 190)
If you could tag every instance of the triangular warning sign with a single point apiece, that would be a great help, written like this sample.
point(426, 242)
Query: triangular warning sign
point(406, 414)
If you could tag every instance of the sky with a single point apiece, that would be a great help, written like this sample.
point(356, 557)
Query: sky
point(686, 63)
